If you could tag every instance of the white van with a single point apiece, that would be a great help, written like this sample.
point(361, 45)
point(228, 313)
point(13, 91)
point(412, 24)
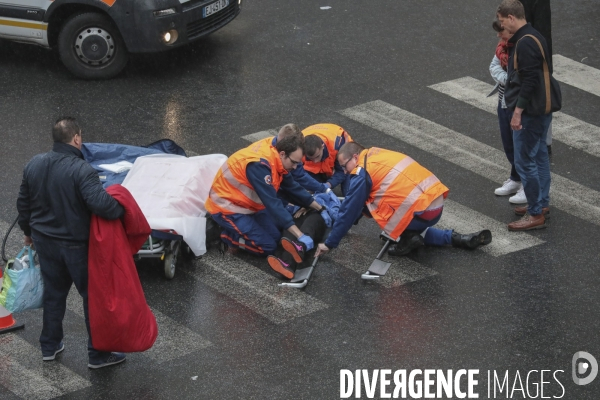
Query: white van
point(94, 37)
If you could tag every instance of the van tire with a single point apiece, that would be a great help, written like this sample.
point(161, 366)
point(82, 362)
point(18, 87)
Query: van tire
point(91, 47)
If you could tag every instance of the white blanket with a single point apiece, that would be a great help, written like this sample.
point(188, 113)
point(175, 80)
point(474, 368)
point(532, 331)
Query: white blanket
point(171, 191)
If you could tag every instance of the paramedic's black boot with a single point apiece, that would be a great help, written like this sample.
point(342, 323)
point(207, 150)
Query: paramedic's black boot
point(472, 240)
point(409, 241)
point(296, 249)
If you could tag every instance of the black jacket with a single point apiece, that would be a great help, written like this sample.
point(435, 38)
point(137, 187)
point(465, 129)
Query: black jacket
point(538, 14)
point(59, 193)
point(530, 66)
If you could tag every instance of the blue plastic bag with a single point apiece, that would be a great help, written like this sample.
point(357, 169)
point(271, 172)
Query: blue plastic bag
point(22, 286)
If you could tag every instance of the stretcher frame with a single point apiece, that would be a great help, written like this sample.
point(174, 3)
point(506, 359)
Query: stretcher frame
point(301, 276)
point(378, 267)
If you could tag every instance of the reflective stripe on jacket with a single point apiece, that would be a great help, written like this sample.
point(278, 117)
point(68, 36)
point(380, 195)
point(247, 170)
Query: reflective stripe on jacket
point(231, 192)
point(334, 137)
point(400, 188)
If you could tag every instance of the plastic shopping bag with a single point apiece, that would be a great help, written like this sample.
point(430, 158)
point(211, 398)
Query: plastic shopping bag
point(22, 286)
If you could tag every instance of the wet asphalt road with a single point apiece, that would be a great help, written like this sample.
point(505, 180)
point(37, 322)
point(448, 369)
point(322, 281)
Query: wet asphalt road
point(225, 322)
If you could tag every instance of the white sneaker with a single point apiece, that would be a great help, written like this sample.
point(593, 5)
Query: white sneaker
point(508, 187)
point(518, 198)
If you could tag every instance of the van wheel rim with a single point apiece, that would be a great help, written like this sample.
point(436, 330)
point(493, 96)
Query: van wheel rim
point(94, 46)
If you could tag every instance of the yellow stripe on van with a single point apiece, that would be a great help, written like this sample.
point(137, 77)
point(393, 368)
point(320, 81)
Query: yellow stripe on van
point(31, 25)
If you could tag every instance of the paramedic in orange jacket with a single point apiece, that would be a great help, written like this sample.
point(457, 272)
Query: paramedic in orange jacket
point(400, 195)
point(321, 145)
point(243, 197)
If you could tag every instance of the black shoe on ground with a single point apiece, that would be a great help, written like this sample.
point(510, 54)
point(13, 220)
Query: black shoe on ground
point(294, 248)
point(111, 359)
point(472, 240)
point(409, 241)
point(52, 356)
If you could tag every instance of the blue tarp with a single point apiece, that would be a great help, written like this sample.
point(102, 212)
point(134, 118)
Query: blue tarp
point(108, 153)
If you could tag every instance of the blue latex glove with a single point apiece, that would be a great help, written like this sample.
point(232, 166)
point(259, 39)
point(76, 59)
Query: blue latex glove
point(327, 218)
point(308, 242)
point(292, 208)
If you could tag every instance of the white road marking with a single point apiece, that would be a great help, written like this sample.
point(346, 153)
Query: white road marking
point(23, 372)
point(255, 137)
point(254, 288)
point(576, 74)
point(569, 130)
point(466, 220)
point(174, 339)
point(571, 197)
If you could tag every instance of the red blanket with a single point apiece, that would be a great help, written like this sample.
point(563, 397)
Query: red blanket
point(120, 319)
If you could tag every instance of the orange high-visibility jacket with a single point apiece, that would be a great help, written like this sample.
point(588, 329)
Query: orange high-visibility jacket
point(231, 192)
point(334, 137)
point(400, 188)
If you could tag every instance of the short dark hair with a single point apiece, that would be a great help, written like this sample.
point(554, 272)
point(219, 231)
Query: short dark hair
point(312, 143)
point(497, 26)
point(290, 130)
point(65, 129)
point(290, 144)
point(349, 149)
point(511, 7)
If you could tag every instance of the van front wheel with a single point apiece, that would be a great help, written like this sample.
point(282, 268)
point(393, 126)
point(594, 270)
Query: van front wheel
point(91, 47)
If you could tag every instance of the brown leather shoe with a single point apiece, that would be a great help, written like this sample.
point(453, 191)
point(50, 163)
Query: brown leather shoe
point(522, 210)
point(528, 222)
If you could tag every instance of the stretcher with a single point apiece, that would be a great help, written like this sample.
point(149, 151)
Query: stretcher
point(379, 267)
point(166, 245)
point(301, 276)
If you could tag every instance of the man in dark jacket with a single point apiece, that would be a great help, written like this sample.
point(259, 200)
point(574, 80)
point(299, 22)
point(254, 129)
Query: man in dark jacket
point(529, 127)
point(59, 193)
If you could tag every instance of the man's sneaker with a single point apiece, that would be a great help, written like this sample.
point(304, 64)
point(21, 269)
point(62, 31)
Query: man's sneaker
point(52, 356)
point(522, 210)
point(518, 198)
point(112, 359)
point(508, 187)
point(295, 249)
point(278, 265)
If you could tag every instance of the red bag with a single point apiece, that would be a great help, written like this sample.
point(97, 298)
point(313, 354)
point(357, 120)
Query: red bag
point(120, 319)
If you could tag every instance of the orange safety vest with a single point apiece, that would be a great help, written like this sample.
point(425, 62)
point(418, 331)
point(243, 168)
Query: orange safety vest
point(231, 192)
point(332, 135)
point(400, 188)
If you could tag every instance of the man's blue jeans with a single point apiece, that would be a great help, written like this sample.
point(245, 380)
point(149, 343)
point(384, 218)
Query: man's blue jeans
point(62, 263)
point(532, 161)
point(506, 134)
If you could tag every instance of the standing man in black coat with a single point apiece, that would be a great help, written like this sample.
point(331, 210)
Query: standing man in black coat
point(59, 193)
point(529, 126)
point(537, 13)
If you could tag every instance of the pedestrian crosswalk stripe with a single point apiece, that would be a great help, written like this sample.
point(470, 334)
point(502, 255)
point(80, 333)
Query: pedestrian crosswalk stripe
point(571, 197)
point(465, 220)
point(254, 288)
point(565, 128)
point(174, 340)
point(357, 254)
point(25, 374)
point(576, 74)
point(255, 137)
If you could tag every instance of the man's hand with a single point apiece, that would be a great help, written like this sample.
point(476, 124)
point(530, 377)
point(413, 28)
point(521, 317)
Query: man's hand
point(27, 240)
point(515, 122)
point(300, 212)
point(321, 249)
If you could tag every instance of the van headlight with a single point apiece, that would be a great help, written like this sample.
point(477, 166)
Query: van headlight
point(170, 37)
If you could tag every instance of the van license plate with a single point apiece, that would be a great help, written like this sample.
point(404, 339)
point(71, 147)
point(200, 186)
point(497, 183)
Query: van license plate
point(215, 7)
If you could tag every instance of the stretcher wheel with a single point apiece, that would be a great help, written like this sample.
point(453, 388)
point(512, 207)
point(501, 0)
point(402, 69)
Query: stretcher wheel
point(171, 260)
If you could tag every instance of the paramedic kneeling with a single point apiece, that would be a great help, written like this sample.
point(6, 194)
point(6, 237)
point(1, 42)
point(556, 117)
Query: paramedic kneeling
point(59, 193)
point(403, 197)
point(243, 197)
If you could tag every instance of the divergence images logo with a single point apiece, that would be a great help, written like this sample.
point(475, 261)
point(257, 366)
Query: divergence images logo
point(583, 363)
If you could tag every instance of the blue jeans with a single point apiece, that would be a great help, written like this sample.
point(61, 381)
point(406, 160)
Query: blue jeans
point(506, 134)
point(433, 236)
point(532, 161)
point(62, 263)
point(255, 233)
